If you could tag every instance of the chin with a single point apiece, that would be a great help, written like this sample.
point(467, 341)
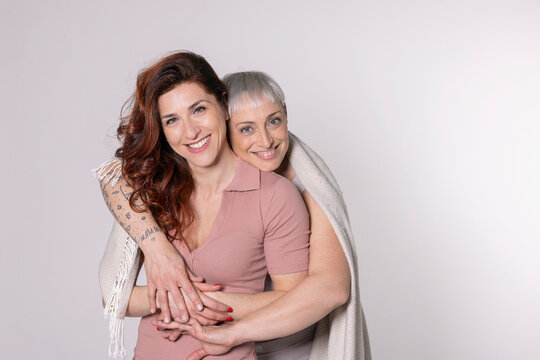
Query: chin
point(267, 165)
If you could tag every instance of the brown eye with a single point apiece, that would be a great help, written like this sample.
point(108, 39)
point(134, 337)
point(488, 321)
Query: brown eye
point(171, 120)
point(199, 109)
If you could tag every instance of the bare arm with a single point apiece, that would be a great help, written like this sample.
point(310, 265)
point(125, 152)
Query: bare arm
point(138, 305)
point(164, 266)
point(301, 306)
point(244, 304)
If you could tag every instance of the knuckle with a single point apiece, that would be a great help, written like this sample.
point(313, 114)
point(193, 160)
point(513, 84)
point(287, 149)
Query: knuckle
point(162, 299)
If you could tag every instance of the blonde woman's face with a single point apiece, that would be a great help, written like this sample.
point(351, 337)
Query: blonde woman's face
point(259, 133)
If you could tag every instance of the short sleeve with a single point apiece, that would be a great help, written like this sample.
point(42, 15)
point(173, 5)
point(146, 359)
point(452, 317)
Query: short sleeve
point(286, 221)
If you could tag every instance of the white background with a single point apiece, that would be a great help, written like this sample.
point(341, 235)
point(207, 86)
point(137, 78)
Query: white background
point(428, 112)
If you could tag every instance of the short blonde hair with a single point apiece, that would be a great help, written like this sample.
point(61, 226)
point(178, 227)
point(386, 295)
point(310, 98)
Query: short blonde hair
point(258, 86)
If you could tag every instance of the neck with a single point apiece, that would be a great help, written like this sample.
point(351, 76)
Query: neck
point(285, 169)
point(217, 177)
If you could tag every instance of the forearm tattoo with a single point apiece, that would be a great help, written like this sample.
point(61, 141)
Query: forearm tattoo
point(148, 232)
point(121, 213)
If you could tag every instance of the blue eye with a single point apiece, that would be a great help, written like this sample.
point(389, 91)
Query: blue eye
point(246, 130)
point(274, 121)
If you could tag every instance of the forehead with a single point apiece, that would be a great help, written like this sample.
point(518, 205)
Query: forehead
point(254, 109)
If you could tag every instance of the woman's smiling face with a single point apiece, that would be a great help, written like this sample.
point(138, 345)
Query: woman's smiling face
point(194, 123)
point(258, 133)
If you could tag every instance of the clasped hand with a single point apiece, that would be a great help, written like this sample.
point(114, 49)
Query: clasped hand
point(214, 311)
point(215, 340)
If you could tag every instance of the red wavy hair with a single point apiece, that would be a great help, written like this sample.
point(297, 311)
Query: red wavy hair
point(161, 178)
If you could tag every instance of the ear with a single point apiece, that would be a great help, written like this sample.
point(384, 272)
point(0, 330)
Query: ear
point(285, 109)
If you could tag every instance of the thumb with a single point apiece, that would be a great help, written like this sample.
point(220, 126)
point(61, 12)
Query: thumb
point(194, 278)
point(197, 355)
point(204, 287)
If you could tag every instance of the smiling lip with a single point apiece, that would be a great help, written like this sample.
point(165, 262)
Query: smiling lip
point(199, 146)
point(267, 154)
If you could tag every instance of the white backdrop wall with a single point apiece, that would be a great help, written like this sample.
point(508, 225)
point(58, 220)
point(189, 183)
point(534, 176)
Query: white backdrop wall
point(427, 111)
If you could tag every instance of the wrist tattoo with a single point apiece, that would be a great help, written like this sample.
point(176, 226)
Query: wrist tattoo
point(149, 231)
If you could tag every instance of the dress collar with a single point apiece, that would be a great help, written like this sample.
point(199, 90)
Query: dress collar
point(246, 177)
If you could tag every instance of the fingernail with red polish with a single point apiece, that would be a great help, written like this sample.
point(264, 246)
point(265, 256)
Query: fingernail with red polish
point(217, 284)
point(157, 329)
point(169, 340)
point(228, 319)
point(229, 309)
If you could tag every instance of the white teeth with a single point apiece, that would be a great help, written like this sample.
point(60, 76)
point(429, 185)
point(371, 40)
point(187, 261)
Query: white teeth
point(200, 144)
point(266, 153)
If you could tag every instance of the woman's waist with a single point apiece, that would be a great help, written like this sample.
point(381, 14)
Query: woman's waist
point(152, 346)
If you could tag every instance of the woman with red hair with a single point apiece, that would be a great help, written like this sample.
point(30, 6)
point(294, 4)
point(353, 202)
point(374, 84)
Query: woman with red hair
point(231, 222)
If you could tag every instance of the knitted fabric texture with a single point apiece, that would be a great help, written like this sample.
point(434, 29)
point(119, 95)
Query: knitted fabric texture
point(342, 334)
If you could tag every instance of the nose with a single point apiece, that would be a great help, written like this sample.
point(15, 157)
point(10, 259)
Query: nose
point(265, 140)
point(191, 128)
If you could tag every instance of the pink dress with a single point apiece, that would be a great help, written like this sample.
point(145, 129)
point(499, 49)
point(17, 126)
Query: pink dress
point(262, 227)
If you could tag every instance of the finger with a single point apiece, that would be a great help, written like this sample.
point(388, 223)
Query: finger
point(178, 299)
point(196, 330)
point(162, 326)
point(173, 325)
point(204, 287)
point(213, 315)
point(175, 334)
point(192, 294)
point(197, 355)
point(166, 333)
point(214, 304)
point(204, 321)
point(163, 302)
point(152, 296)
point(159, 317)
point(193, 277)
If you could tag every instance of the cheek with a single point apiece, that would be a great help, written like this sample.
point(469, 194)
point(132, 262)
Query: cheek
point(172, 137)
point(240, 144)
point(286, 140)
point(167, 135)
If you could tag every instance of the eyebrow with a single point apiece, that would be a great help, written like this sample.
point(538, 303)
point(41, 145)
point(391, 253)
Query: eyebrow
point(272, 114)
point(245, 123)
point(191, 107)
point(253, 122)
point(196, 103)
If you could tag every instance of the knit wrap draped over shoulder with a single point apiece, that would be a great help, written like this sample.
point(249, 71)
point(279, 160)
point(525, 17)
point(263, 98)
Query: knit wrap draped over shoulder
point(342, 334)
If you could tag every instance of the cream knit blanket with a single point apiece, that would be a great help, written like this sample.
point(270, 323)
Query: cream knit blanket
point(340, 335)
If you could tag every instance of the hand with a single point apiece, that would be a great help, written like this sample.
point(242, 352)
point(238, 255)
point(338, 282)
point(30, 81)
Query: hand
point(216, 340)
point(171, 335)
point(213, 311)
point(166, 272)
